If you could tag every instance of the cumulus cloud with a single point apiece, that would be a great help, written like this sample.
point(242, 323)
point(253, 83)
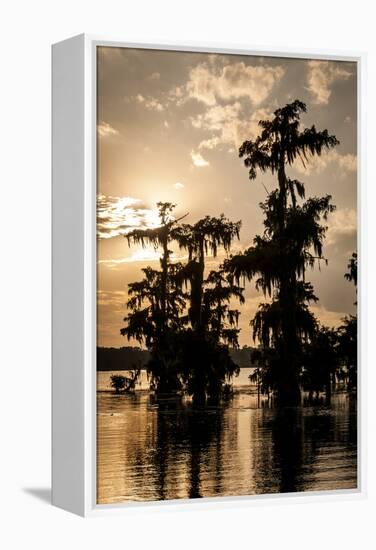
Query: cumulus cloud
point(207, 83)
point(342, 223)
point(345, 163)
point(198, 160)
point(321, 75)
point(215, 117)
point(105, 130)
point(149, 102)
point(178, 185)
point(229, 125)
point(154, 105)
point(326, 317)
point(119, 215)
point(177, 95)
point(210, 143)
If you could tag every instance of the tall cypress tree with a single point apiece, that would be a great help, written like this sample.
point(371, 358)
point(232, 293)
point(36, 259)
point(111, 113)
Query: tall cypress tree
point(293, 235)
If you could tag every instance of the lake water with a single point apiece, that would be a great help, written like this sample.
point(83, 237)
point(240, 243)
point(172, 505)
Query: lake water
point(168, 450)
point(104, 379)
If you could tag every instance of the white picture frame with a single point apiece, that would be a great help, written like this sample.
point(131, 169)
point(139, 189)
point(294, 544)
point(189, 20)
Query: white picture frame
point(74, 276)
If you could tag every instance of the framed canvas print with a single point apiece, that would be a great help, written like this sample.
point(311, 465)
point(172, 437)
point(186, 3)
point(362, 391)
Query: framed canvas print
point(206, 336)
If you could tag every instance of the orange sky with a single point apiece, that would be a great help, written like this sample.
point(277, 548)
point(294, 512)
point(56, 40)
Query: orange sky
point(169, 126)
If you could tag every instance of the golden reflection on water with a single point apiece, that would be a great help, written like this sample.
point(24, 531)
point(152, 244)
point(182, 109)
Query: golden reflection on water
point(148, 451)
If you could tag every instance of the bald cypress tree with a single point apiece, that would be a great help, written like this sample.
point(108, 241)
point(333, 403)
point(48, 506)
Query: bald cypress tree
point(156, 303)
point(292, 239)
point(201, 239)
point(204, 354)
point(348, 331)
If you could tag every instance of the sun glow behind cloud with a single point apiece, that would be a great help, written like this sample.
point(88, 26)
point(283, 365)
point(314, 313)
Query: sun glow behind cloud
point(147, 254)
point(143, 255)
point(120, 215)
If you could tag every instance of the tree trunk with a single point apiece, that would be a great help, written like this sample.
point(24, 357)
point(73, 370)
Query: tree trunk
point(328, 389)
point(197, 284)
point(164, 277)
point(288, 391)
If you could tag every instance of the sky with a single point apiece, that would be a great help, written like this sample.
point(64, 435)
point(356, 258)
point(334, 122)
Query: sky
point(169, 125)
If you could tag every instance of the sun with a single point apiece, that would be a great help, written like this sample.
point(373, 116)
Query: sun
point(151, 219)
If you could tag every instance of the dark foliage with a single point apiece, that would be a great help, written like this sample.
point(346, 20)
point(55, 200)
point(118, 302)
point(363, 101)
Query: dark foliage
point(292, 241)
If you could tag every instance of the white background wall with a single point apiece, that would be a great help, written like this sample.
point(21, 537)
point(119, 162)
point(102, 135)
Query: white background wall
point(27, 30)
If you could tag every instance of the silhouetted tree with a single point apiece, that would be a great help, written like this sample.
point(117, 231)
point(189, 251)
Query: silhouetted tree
point(203, 348)
point(267, 329)
point(321, 361)
point(157, 329)
point(197, 355)
point(201, 239)
point(347, 332)
point(118, 382)
point(122, 383)
point(292, 239)
point(352, 266)
point(218, 317)
point(348, 348)
point(156, 303)
point(159, 237)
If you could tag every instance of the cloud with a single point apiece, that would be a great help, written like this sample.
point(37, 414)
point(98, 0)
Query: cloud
point(119, 215)
point(207, 83)
point(210, 143)
point(113, 298)
point(215, 117)
point(177, 95)
point(321, 75)
point(105, 130)
point(229, 125)
point(347, 162)
point(317, 164)
point(198, 160)
point(212, 83)
point(331, 319)
point(342, 223)
point(178, 185)
point(154, 105)
point(149, 102)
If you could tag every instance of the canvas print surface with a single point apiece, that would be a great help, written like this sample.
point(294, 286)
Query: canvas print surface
point(226, 275)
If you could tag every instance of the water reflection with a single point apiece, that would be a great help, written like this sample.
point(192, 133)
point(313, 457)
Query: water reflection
point(170, 450)
point(289, 453)
point(190, 440)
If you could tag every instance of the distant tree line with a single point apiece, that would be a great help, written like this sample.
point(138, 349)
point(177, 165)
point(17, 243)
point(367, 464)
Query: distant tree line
point(185, 315)
point(125, 358)
point(132, 358)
